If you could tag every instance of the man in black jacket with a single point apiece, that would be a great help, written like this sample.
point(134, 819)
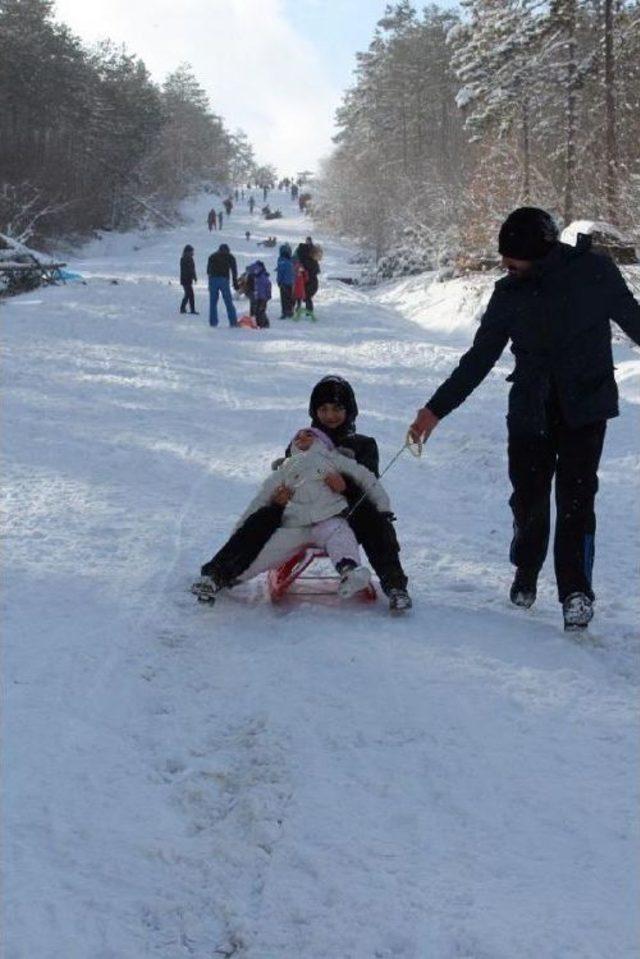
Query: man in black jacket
point(219, 266)
point(555, 306)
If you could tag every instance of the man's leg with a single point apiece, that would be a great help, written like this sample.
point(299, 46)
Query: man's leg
point(185, 298)
point(214, 291)
point(310, 291)
point(191, 298)
point(579, 452)
point(532, 462)
point(228, 302)
point(288, 301)
point(308, 301)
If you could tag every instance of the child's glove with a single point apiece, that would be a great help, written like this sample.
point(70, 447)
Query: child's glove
point(335, 482)
point(282, 495)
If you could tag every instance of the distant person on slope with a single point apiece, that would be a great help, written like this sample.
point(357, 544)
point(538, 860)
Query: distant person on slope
point(306, 255)
point(259, 284)
point(555, 306)
point(220, 219)
point(211, 220)
point(286, 277)
point(187, 279)
point(299, 286)
point(252, 204)
point(307, 492)
point(220, 266)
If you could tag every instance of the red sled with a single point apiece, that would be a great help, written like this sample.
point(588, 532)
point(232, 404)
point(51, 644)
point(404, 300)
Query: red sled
point(248, 322)
point(291, 579)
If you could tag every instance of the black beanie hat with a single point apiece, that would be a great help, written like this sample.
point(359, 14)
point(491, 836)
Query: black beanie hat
point(334, 389)
point(527, 234)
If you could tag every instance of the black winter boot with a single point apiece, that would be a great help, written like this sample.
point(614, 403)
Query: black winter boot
point(523, 589)
point(399, 600)
point(577, 610)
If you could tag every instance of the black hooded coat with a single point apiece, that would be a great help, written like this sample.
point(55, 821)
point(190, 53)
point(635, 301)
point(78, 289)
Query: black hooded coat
point(558, 321)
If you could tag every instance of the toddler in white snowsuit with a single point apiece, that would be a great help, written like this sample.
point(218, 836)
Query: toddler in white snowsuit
point(309, 485)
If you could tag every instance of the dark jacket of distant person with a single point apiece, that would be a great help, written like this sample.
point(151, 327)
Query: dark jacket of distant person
point(222, 263)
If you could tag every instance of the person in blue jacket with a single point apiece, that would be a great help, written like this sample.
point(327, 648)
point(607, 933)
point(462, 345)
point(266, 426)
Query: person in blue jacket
point(555, 305)
point(285, 277)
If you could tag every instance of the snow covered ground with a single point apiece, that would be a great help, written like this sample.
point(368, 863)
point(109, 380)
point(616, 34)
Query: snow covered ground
point(315, 782)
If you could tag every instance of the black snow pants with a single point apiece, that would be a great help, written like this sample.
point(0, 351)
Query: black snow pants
point(373, 530)
point(376, 534)
point(188, 298)
point(286, 299)
point(261, 313)
point(243, 545)
point(310, 290)
point(573, 456)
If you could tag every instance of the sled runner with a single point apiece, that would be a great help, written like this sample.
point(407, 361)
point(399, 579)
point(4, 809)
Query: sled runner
point(291, 579)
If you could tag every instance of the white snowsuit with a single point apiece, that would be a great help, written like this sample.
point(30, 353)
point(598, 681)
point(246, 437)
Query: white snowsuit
point(312, 516)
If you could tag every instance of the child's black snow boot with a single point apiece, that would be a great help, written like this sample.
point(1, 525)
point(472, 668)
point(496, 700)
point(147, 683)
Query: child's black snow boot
point(210, 583)
point(399, 600)
point(205, 589)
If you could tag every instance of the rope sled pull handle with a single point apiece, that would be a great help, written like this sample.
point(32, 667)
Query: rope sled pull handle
point(414, 447)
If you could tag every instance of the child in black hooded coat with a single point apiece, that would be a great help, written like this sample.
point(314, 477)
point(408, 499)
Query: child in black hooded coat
point(333, 409)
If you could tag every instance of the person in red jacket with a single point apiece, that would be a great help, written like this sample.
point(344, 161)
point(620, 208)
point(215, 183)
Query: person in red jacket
point(299, 285)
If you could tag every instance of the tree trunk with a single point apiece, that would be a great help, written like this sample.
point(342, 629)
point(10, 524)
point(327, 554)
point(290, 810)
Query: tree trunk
point(611, 140)
point(571, 78)
point(526, 153)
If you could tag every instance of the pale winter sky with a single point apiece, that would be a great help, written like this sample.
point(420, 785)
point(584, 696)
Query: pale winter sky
point(275, 68)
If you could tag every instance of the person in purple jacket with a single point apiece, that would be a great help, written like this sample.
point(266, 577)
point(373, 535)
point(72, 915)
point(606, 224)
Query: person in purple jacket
point(260, 285)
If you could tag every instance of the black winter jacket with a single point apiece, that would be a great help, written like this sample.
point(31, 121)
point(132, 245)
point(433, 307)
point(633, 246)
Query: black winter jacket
point(365, 450)
point(558, 321)
point(221, 264)
point(187, 269)
point(309, 262)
